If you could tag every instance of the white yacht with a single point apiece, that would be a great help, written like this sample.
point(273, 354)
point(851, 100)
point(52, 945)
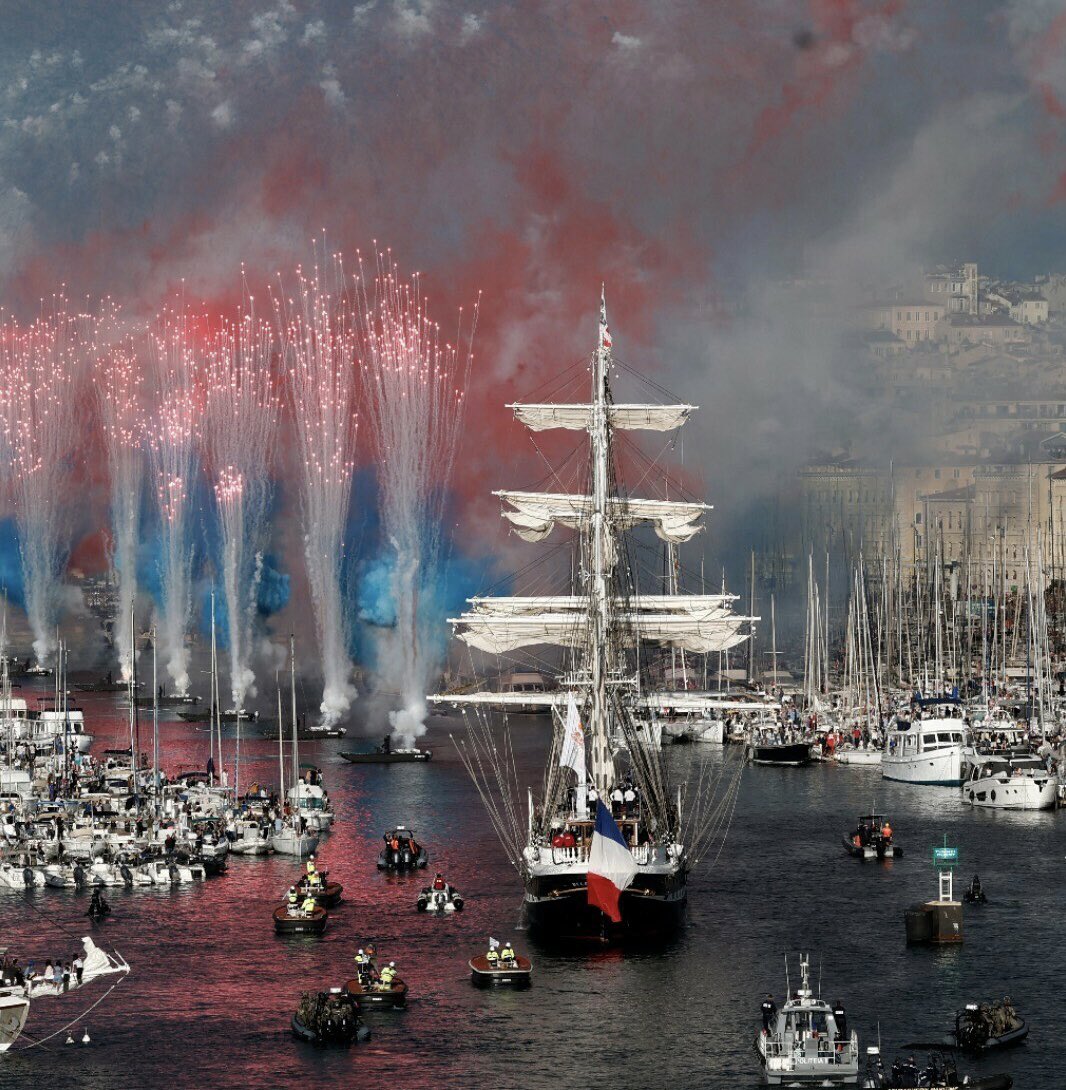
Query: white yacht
point(931, 746)
point(1011, 783)
point(805, 1046)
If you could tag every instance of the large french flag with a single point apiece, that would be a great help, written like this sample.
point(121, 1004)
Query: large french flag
point(611, 864)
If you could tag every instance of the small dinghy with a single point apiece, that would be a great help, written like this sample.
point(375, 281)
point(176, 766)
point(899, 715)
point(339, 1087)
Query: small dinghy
point(402, 851)
point(984, 1027)
point(514, 973)
point(297, 922)
point(872, 839)
point(439, 898)
point(328, 1018)
point(374, 994)
point(326, 894)
point(938, 1073)
point(975, 894)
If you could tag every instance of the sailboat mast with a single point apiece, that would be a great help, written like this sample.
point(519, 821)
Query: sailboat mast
point(292, 686)
point(599, 604)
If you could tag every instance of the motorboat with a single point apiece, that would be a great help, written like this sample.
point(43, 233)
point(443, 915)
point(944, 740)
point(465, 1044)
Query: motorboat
point(326, 893)
point(974, 894)
point(329, 1018)
point(804, 1045)
point(940, 1072)
point(439, 899)
point(985, 1027)
point(14, 1010)
point(516, 972)
point(402, 851)
point(390, 756)
point(375, 994)
point(770, 746)
point(929, 745)
point(287, 841)
point(1011, 783)
point(872, 838)
point(289, 920)
point(250, 838)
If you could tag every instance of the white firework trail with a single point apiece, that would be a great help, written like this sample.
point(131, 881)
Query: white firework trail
point(118, 372)
point(415, 386)
point(172, 439)
point(39, 409)
point(239, 425)
point(318, 337)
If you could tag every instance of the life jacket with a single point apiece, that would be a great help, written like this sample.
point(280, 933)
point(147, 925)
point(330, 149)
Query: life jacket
point(507, 954)
point(395, 844)
point(492, 957)
point(439, 883)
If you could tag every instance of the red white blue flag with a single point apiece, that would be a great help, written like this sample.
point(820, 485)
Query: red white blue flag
point(612, 867)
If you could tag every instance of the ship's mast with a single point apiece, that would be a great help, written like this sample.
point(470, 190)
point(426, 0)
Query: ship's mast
point(599, 598)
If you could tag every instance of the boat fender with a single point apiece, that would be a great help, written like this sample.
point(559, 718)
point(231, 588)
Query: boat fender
point(127, 876)
point(79, 877)
point(458, 903)
point(27, 877)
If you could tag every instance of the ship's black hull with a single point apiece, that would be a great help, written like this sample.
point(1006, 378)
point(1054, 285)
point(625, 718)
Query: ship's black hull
point(653, 910)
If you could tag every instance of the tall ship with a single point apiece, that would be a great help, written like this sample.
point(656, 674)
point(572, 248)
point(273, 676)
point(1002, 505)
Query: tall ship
point(608, 633)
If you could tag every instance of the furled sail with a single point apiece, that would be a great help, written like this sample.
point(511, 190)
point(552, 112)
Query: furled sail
point(699, 604)
point(700, 633)
point(624, 417)
point(534, 514)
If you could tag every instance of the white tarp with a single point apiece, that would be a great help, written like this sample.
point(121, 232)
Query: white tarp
point(625, 417)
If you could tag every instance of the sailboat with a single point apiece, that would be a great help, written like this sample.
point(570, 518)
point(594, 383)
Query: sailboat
point(291, 839)
point(602, 705)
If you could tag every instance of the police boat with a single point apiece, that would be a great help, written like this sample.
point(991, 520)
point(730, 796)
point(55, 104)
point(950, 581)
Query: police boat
point(806, 1042)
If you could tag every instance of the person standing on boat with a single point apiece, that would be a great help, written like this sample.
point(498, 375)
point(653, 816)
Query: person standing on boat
point(293, 898)
point(841, 1019)
point(769, 1012)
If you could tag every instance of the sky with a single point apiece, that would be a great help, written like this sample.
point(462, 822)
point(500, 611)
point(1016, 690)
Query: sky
point(688, 155)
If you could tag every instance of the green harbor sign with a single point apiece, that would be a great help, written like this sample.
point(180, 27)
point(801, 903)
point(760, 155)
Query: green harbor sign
point(946, 857)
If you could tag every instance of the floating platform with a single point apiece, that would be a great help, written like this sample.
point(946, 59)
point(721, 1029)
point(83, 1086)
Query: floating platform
point(934, 923)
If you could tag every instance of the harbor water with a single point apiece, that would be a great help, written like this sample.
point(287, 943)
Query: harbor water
point(212, 987)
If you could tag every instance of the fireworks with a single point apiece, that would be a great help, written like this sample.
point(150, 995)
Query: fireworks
point(172, 439)
point(415, 399)
point(240, 423)
point(318, 335)
point(118, 374)
point(40, 372)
